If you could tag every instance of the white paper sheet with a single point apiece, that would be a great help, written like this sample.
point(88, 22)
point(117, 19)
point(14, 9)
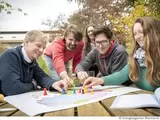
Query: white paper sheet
point(34, 103)
point(135, 101)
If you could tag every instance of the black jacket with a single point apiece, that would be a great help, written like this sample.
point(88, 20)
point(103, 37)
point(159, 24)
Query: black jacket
point(16, 74)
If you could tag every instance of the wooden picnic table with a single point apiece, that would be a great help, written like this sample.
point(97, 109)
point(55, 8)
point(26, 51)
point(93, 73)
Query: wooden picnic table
point(101, 108)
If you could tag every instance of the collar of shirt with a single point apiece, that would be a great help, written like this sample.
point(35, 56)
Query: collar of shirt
point(25, 56)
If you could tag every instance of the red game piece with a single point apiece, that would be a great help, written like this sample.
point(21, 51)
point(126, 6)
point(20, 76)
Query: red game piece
point(79, 91)
point(45, 92)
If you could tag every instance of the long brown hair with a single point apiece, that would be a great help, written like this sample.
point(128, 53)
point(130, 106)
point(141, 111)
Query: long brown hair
point(151, 31)
point(87, 41)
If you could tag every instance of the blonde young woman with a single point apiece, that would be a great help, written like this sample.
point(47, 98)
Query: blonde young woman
point(144, 66)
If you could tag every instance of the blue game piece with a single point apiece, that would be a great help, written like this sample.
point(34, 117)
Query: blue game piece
point(63, 91)
point(74, 91)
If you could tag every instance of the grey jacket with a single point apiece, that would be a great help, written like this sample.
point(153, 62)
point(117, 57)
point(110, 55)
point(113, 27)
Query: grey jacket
point(114, 61)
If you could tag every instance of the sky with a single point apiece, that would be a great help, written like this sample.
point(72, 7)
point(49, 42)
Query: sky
point(37, 11)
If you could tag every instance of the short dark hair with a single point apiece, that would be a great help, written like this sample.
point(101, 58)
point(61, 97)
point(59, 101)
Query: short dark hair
point(103, 30)
point(74, 29)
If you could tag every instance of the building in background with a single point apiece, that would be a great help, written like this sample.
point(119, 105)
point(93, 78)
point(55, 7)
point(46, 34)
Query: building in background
point(15, 38)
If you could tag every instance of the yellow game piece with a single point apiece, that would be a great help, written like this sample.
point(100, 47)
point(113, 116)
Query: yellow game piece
point(1, 97)
point(85, 89)
point(92, 92)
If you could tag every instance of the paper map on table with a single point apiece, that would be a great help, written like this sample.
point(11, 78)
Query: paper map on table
point(33, 103)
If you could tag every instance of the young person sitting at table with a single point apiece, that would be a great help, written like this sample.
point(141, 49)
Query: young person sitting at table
point(144, 66)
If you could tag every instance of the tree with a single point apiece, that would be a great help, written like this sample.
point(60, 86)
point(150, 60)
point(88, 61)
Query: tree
point(6, 7)
point(60, 23)
point(119, 15)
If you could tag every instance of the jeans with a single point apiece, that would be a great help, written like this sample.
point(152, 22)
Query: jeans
point(54, 74)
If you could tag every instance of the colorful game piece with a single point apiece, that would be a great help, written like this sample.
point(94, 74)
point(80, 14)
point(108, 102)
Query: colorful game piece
point(85, 89)
point(45, 92)
point(79, 91)
point(92, 92)
point(74, 91)
point(63, 91)
point(82, 91)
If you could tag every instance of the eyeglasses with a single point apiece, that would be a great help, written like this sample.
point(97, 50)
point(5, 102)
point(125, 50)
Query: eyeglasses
point(103, 43)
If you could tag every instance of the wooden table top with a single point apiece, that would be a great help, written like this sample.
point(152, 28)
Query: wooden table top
point(101, 108)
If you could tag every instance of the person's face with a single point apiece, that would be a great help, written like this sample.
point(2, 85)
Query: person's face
point(138, 34)
point(102, 43)
point(34, 49)
point(90, 30)
point(71, 42)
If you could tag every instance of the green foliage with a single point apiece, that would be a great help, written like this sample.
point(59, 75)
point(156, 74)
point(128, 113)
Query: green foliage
point(117, 14)
point(3, 47)
point(6, 7)
point(43, 65)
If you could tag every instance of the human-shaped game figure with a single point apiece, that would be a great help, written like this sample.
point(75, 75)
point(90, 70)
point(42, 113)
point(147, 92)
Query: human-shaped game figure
point(92, 92)
point(79, 90)
point(74, 91)
point(82, 91)
point(85, 89)
point(45, 92)
point(63, 91)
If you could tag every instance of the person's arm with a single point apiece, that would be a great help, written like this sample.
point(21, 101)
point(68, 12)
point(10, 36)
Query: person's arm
point(87, 62)
point(58, 61)
point(78, 57)
point(42, 78)
point(117, 78)
point(58, 57)
point(120, 59)
point(10, 75)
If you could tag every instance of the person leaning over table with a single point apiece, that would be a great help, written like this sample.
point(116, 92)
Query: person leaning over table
point(63, 55)
point(144, 66)
point(108, 55)
point(19, 71)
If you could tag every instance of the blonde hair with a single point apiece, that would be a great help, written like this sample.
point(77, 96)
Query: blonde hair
point(151, 33)
point(35, 35)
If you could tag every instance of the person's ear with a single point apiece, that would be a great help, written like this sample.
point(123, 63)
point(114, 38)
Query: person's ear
point(26, 43)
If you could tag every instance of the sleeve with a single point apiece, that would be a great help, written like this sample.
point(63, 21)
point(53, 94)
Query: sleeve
point(117, 78)
point(87, 62)
point(42, 63)
point(42, 78)
point(77, 58)
point(58, 57)
point(120, 59)
point(10, 76)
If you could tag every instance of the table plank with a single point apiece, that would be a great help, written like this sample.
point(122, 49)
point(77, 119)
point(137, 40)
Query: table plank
point(66, 112)
point(9, 112)
point(124, 112)
point(2, 103)
point(19, 113)
point(93, 109)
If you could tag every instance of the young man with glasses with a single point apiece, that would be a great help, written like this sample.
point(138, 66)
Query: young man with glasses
point(108, 55)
